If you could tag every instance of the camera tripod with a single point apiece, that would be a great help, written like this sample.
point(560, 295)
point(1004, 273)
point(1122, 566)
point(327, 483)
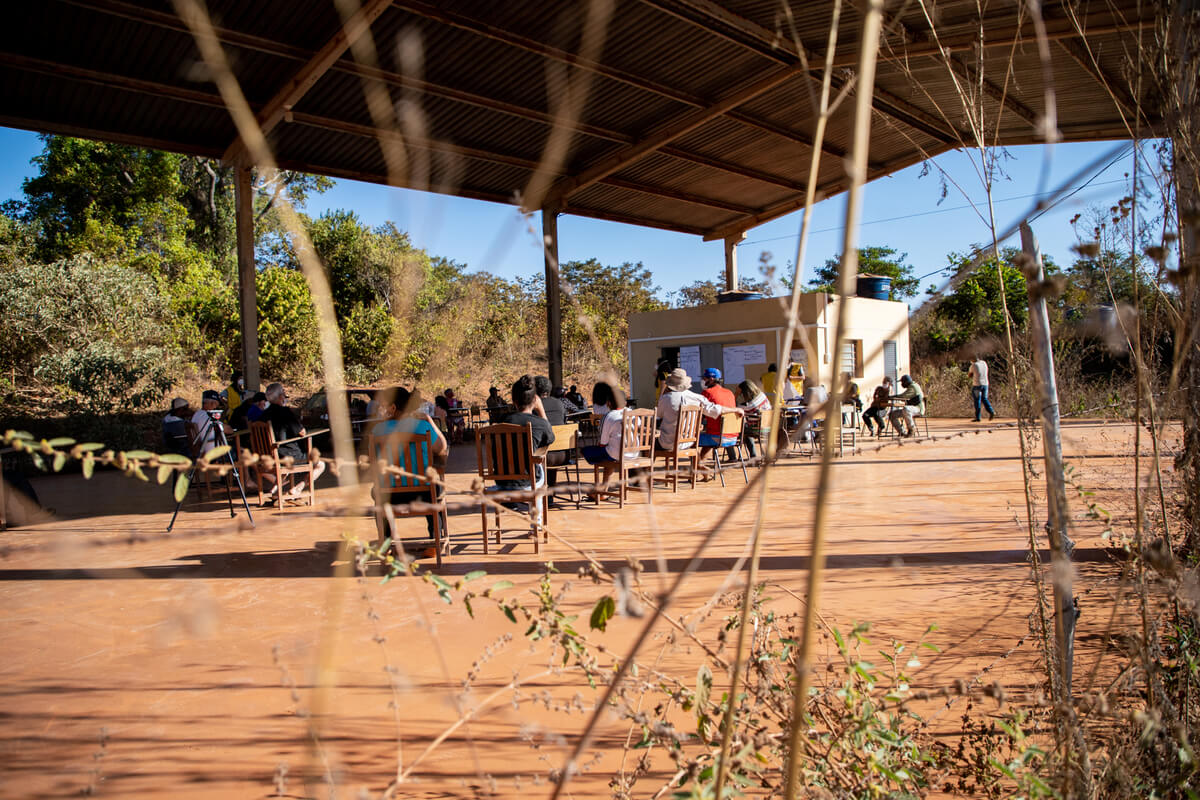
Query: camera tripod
point(219, 440)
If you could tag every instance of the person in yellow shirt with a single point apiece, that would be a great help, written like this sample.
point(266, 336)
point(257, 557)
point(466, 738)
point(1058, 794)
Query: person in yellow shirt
point(768, 378)
point(235, 392)
point(796, 378)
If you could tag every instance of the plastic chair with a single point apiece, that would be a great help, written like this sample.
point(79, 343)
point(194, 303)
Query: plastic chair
point(411, 453)
point(504, 452)
point(686, 447)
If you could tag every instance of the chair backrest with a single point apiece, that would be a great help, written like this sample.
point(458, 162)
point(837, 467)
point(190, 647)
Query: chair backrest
point(589, 430)
point(687, 430)
point(731, 424)
point(637, 433)
point(404, 450)
point(262, 438)
point(504, 452)
point(564, 437)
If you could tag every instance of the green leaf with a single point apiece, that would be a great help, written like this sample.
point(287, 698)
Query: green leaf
point(60, 460)
point(90, 447)
point(441, 582)
point(181, 487)
point(164, 472)
point(467, 603)
point(173, 458)
point(89, 465)
point(498, 585)
point(214, 454)
point(61, 441)
point(508, 612)
point(602, 612)
point(140, 455)
point(474, 574)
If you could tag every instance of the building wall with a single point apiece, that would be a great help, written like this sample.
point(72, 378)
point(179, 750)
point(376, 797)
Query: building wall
point(764, 322)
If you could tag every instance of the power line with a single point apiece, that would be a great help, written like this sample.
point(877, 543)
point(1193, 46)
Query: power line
point(953, 208)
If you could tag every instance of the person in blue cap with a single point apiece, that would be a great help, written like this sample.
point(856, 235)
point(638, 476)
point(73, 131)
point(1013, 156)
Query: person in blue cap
point(716, 393)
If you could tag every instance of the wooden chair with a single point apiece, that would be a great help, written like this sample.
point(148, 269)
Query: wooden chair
point(851, 420)
point(686, 448)
point(566, 441)
point(731, 432)
point(504, 452)
point(637, 452)
point(476, 420)
point(412, 453)
point(263, 444)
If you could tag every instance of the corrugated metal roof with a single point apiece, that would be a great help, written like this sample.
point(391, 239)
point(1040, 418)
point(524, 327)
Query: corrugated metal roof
point(481, 84)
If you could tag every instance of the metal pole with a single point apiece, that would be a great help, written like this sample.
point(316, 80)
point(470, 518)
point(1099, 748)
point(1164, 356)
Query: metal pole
point(554, 355)
point(1056, 488)
point(247, 292)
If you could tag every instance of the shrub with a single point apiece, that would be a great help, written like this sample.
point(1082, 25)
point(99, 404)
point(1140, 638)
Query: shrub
point(104, 379)
point(288, 339)
point(366, 335)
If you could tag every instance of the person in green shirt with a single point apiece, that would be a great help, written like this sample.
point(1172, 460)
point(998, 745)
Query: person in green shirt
point(914, 406)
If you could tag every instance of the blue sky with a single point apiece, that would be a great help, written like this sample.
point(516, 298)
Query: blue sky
point(904, 211)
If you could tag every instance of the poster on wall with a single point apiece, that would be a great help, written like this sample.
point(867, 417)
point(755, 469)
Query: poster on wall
point(689, 361)
point(736, 357)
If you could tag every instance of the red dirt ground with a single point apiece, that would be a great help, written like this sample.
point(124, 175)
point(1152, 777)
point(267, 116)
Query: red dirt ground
point(194, 656)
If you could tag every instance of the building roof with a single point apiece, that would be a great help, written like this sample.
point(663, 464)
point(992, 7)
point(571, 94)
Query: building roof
point(689, 115)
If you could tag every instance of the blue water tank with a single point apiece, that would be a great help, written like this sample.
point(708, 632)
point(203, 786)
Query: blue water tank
point(876, 287)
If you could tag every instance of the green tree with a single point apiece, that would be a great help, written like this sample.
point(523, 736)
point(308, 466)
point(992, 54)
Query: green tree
point(705, 293)
point(287, 324)
point(604, 298)
point(874, 260)
point(975, 308)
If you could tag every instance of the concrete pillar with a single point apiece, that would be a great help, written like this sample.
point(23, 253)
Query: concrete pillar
point(247, 293)
point(554, 357)
point(731, 269)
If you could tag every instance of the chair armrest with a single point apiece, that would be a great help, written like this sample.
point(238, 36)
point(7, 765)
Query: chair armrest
point(308, 435)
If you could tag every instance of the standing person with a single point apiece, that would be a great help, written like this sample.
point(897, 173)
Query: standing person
point(405, 416)
point(715, 392)
point(979, 388)
point(880, 400)
point(914, 406)
point(286, 425)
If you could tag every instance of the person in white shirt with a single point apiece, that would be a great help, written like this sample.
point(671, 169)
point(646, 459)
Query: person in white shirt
point(606, 454)
point(676, 394)
point(206, 423)
point(979, 388)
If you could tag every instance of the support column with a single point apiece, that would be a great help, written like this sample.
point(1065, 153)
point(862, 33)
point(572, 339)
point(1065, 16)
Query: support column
point(554, 355)
point(731, 269)
point(247, 292)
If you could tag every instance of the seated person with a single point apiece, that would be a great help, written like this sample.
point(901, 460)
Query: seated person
point(816, 400)
point(606, 454)
point(240, 419)
point(880, 401)
point(576, 398)
point(174, 428)
point(569, 407)
point(715, 392)
point(753, 401)
point(529, 412)
point(914, 406)
point(604, 400)
point(286, 425)
point(677, 392)
point(768, 380)
point(457, 421)
point(441, 413)
point(404, 415)
point(207, 421)
point(851, 396)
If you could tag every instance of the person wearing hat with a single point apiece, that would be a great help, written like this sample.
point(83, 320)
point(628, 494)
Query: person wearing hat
point(174, 428)
point(240, 419)
point(205, 423)
point(677, 392)
point(914, 406)
point(716, 393)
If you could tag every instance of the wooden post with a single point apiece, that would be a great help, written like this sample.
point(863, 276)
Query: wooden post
point(732, 284)
point(554, 357)
point(247, 293)
point(1056, 488)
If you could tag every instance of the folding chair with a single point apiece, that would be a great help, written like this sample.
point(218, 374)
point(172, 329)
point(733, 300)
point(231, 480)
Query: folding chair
point(263, 445)
point(686, 447)
point(410, 453)
point(637, 452)
point(566, 441)
point(504, 452)
point(849, 429)
point(731, 436)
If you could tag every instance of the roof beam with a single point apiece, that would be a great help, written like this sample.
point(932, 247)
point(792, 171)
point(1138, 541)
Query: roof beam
point(463, 22)
point(347, 66)
point(152, 88)
point(311, 71)
point(665, 134)
point(961, 68)
point(1082, 55)
point(715, 19)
